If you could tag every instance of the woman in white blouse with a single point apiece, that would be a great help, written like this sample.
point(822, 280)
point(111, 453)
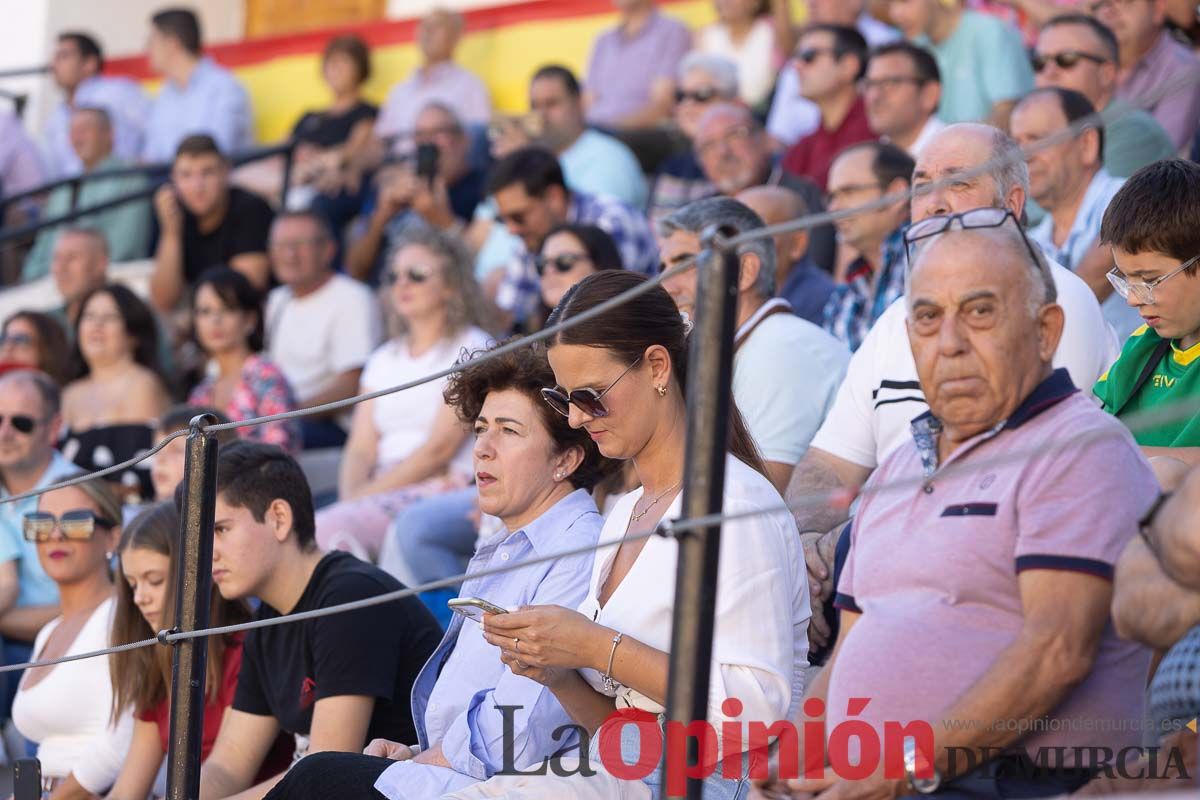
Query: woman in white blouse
point(407, 446)
point(67, 708)
point(621, 377)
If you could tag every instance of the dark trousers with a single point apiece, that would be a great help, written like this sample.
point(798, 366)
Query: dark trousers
point(325, 776)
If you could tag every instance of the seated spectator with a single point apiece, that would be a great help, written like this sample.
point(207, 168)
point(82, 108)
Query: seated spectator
point(532, 197)
point(320, 324)
point(753, 40)
point(408, 445)
point(901, 91)
point(1154, 67)
point(109, 408)
point(981, 58)
point(1152, 227)
point(1075, 51)
point(798, 280)
point(569, 254)
point(703, 80)
point(76, 68)
point(793, 115)
point(141, 679)
point(404, 199)
point(197, 96)
point(36, 340)
point(881, 394)
point(786, 371)
point(20, 165)
point(30, 405)
point(598, 163)
point(334, 683)
point(534, 473)
point(205, 222)
point(167, 465)
point(239, 379)
point(79, 265)
point(735, 154)
point(875, 278)
point(67, 709)
point(1050, 532)
point(1068, 180)
point(632, 68)
point(329, 141)
point(639, 351)
point(126, 228)
point(438, 79)
point(830, 60)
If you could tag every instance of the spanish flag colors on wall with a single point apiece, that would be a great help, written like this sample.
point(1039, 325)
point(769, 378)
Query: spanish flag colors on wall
point(503, 45)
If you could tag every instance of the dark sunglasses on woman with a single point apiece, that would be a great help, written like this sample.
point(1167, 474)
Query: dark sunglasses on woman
point(77, 525)
point(699, 96)
point(413, 274)
point(589, 401)
point(562, 263)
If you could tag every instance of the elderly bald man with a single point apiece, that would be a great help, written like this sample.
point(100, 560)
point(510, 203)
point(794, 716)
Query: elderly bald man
point(1016, 635)
point(798, 279)
point(881, 393)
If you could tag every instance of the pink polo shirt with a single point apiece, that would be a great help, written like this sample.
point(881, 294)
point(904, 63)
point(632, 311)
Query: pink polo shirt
point(934, 565)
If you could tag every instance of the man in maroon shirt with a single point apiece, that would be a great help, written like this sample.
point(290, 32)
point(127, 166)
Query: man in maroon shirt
point(831, 59)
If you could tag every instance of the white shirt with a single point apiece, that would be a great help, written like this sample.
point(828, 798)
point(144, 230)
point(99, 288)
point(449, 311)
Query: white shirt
point(785, 376)
point(315, 338)
point(68, 712)
point(127, 107)
point(933, 126)
point(760, 638)
point(403, 420)
point(881, 394)
point(754, 57)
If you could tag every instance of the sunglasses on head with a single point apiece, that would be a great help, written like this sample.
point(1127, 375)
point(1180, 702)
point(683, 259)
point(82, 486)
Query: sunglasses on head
point(412, 274)
point(1065, 60)
point(589, 401)
point(561, 263)
point(697, 96)
point(78, 525)
point(20, 422)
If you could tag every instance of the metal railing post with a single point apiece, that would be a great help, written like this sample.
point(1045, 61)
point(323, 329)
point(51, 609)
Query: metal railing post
point(194, 579)
point(710, 375)
point(288, 162)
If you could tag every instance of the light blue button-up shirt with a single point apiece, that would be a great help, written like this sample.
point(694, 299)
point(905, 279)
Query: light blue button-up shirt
point(37, 588)
point(127, 108)
point(212, 102)
point(455, 698)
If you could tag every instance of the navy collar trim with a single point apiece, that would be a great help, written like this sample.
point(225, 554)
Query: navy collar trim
point(1049, 393)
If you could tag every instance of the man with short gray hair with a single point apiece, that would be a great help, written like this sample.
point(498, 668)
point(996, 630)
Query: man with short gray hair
point(785, 369)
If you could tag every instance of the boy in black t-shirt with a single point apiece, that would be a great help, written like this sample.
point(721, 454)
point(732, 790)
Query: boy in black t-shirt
point(335, 682)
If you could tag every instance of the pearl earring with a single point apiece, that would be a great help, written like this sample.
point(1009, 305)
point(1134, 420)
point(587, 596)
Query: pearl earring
point(558, 476)
point(662, 391)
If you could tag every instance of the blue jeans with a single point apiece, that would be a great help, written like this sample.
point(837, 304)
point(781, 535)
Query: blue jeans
point(430, 540)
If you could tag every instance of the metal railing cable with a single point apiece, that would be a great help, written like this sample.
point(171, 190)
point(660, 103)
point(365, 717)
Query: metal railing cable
point(1183, 410)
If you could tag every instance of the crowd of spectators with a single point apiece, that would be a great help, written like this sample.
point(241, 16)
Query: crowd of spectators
point(970, 382)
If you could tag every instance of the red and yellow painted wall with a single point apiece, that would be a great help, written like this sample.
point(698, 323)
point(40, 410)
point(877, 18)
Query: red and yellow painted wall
point(504, 45)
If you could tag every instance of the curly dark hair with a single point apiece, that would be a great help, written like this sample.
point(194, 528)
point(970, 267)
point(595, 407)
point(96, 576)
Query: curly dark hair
point(525, 370)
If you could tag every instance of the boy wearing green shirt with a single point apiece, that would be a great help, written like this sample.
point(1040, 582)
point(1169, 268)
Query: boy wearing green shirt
point(1152, 226)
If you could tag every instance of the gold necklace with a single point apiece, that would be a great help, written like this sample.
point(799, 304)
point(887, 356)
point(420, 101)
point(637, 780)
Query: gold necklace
point(635, 517)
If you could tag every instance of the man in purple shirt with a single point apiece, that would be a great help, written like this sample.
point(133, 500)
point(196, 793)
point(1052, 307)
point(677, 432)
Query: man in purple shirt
point(631, 75)
point(975, 598)
point(1152, 61)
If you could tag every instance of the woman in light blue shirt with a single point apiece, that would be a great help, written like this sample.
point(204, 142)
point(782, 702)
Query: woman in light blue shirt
point(473, 715)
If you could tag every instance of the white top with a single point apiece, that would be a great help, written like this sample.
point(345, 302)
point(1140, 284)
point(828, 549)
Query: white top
point(755, 57)
point(404, 419)
point(68, 711)
point(760, 639)
point(785, 376)
point(881, 394)
point(316, 337)
point(933, 126)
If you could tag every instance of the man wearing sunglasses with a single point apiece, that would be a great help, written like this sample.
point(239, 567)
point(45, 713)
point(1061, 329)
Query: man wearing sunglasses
point(1153, 229)
point(1079, 52)
point(29, 428)
point(1154, 65)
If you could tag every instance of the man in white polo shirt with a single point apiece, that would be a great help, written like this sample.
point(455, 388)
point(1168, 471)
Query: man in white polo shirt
point(320, 324)
point(881, 394)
